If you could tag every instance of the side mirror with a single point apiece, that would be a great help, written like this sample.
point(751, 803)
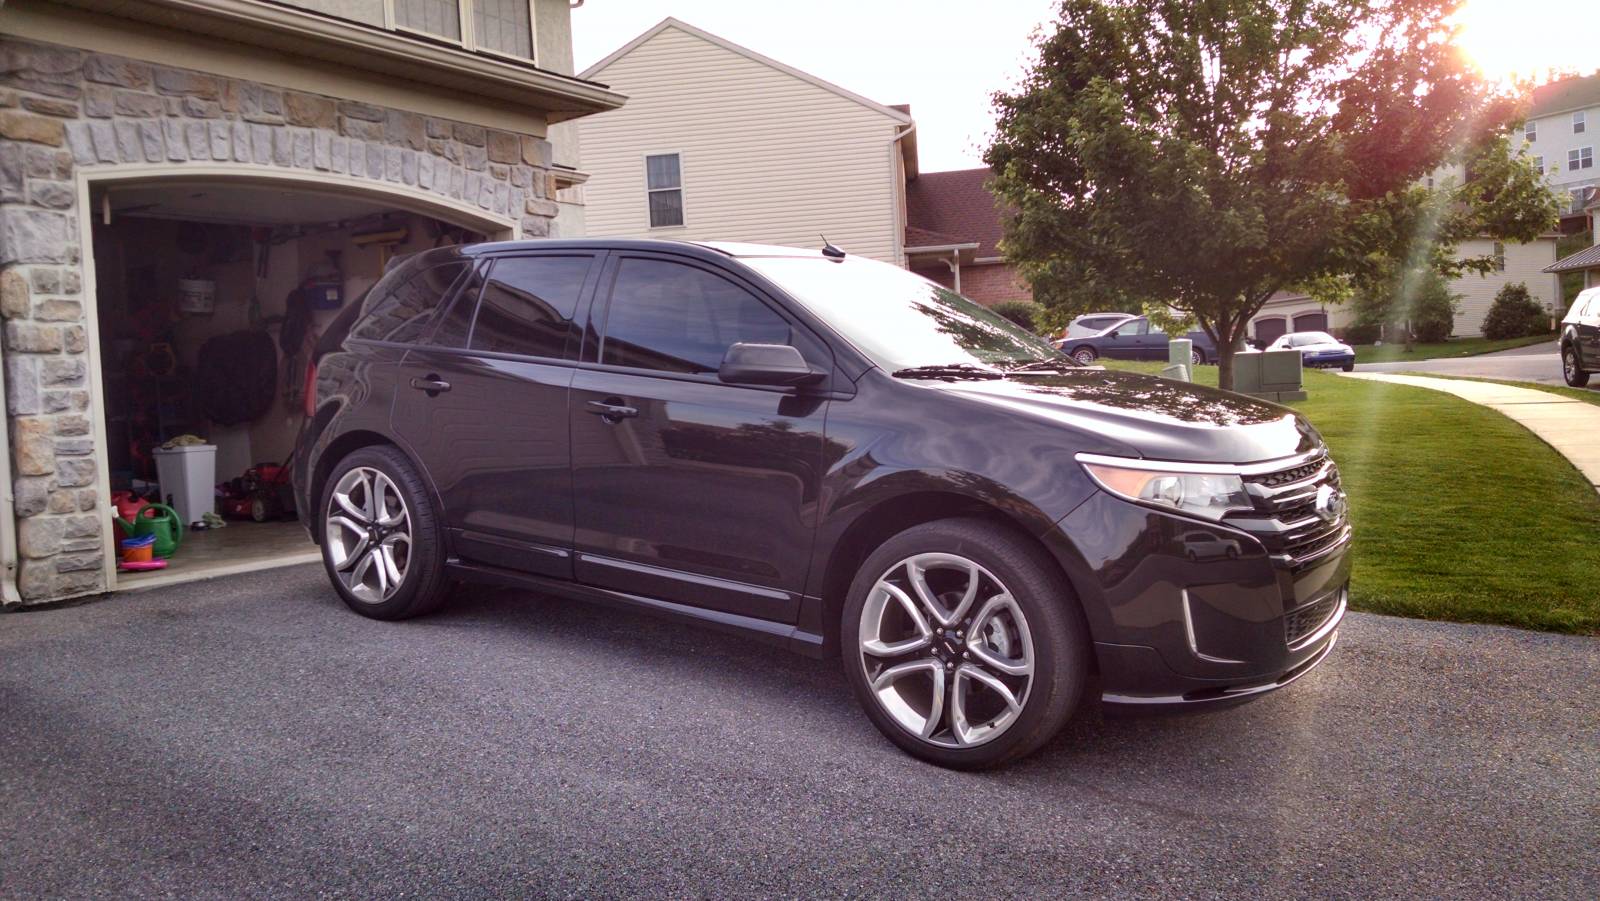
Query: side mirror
point(766, 364)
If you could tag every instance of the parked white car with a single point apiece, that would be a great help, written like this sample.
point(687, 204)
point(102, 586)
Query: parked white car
point(1094, 324)
point(1318, 349)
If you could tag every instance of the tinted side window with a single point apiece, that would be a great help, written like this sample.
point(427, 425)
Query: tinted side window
point(403, 313)
point(528, 304)
point(456, 323)
point(678, 318)
point(1134, 327)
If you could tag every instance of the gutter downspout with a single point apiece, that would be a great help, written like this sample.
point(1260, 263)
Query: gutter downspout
point(897, 165)
point(9, 597)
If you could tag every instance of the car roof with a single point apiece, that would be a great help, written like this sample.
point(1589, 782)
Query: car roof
point(694, 248)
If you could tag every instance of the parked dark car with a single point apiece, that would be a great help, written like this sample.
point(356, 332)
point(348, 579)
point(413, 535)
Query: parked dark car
point(1136, 339)
point(831, 455)
point(1580, 338)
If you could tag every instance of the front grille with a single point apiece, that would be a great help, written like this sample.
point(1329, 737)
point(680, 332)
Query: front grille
point(1297, 624)
point(1286, 517)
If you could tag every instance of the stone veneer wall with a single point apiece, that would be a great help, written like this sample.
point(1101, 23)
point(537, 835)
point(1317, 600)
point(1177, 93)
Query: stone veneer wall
point(61, 109)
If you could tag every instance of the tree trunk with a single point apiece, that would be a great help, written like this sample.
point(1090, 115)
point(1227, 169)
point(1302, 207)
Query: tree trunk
point(1225, 367)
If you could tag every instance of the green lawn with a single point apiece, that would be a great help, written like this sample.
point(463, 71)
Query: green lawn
point(1461, 347)
point(1459, 513)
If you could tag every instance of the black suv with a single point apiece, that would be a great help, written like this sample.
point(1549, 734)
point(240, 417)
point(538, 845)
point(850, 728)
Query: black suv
point(829, 454)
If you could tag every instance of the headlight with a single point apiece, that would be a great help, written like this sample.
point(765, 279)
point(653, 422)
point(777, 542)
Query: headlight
point(1207, 494)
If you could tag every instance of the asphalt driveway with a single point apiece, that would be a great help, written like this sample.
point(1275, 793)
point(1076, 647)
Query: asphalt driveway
point(1535, 363)
point(250, 737)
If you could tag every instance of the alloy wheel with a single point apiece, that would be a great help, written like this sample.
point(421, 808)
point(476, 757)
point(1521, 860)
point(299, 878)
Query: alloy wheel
point(1084, 357)
point(1569, 364)
point(946, 650)
point(1196, 357)
point(368, 535)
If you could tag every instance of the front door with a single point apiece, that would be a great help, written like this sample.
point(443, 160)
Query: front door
point(483, 404)
point(688, 489)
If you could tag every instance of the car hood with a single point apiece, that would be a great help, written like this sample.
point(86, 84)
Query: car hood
point(1323, 348)
point(1145, 416)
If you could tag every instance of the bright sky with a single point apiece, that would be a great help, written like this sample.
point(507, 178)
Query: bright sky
point(946, 57)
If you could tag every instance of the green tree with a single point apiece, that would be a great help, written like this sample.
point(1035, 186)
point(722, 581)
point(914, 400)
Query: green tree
point(1206, 155)
point(1515, 314)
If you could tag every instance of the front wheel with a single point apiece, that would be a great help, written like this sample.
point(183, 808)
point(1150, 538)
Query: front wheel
point(1572, 367)
point(963, 644)
point(1085, 356)
point(1349, 367)
point(382, 544)
point(1196, 358)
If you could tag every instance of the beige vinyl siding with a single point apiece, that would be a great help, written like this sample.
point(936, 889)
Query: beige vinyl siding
point(1523, 262)
point(766, 156)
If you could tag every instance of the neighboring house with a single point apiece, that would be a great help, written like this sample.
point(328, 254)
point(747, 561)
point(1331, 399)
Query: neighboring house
point(953, 231)
point(1586, 261)
point(1562, 135)
point(718, 142)
point(257, 149)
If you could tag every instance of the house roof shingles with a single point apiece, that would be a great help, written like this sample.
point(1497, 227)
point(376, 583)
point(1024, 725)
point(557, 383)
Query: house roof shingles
point(1566, 95)
point(956, 208)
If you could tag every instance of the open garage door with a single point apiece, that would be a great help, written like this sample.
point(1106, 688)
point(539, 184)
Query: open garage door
point(208, 295)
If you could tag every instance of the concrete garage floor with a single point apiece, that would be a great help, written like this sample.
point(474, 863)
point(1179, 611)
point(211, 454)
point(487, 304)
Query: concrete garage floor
point(249, 736)
point(242, 546)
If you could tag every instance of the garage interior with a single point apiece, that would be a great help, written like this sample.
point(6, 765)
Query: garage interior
point(209, 298)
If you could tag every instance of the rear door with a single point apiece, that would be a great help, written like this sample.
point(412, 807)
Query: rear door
point(483, 403)
point(688, 489)
point(1125, 342)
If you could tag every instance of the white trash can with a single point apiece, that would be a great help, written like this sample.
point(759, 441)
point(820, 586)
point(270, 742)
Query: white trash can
point(188, 477)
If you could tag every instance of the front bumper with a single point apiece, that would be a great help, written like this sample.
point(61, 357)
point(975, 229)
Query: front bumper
point(1176, 628)
point(1327, 361)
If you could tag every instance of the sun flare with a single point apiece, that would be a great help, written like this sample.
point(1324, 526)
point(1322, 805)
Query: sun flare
point(1509, 39)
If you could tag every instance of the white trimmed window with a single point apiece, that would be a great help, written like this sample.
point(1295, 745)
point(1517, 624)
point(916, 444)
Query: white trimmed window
point(1580, 158)
point(1580, 122)
point(1499, 257)
point(1530, 130)
point(501, 27)
point(1538, 163)
point(663, 182)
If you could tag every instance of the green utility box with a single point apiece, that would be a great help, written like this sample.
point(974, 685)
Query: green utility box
point(1273, 375)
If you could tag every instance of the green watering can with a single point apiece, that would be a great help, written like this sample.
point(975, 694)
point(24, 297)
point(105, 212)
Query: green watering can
point(159, 520)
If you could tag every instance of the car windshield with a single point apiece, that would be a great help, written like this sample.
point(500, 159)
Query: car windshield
point(902, 321)
point(1307, 338)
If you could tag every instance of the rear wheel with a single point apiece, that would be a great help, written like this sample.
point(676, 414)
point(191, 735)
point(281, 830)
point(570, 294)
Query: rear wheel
point(1572, 367)
point(963, 644)
point(1085, 356)
point(1196, 357)
point(382, 544)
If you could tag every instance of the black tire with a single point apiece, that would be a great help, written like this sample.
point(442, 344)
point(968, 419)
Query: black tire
point(1349, 367)
point(1197, 357)
point(1572, 367)
point(424, 585)
point(1084, 356)
point(1060, 636)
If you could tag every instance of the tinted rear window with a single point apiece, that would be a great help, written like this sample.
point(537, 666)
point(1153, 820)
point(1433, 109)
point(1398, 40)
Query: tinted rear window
point(403, 313)
point(528, 305)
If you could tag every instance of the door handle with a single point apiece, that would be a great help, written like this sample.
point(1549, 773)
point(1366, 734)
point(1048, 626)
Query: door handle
point(432, 385)
point(612, 410)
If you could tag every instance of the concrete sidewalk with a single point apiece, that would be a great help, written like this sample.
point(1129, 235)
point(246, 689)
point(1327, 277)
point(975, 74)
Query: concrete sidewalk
point(1569, 425)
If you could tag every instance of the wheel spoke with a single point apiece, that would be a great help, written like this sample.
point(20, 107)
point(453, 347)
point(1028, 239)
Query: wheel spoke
point(382, 492)
point(386, 549)
point(356, 579)
point(349, 507)
point(917, 573)
point(875, 645)
point(977, 637)
point(381, 568)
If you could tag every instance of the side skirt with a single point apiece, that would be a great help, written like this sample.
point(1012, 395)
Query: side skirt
point(777, 634)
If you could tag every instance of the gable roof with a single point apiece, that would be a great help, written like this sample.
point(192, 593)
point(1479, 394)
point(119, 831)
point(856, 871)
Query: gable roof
point(957, 205)
point(904, 118)
point(1567, 95)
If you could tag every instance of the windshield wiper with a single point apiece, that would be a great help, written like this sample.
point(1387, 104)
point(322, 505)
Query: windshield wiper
point(947, 371)
point(1045, 365)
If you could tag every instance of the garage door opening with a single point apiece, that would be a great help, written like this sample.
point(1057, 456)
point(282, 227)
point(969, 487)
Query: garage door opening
point(209, 297)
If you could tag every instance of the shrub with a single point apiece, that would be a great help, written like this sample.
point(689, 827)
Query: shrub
point(1363, 333)
point(1432, 309)
point(1514, 314)
point(1021, 312)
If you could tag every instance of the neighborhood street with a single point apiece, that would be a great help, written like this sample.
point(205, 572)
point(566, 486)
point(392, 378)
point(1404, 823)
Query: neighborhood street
point(252, 736)
point(1534, 363)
